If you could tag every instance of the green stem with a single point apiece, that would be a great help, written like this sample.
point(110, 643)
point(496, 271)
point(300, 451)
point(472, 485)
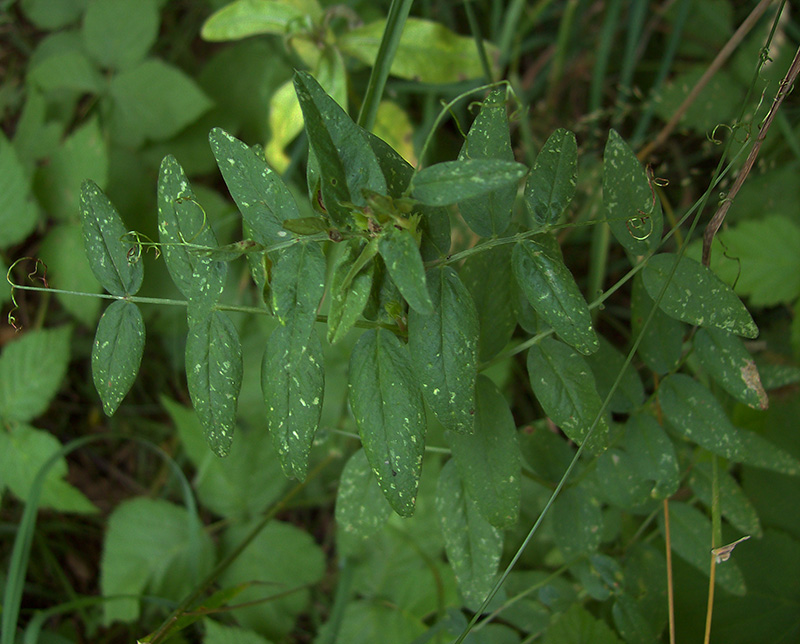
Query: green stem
point(479, 44)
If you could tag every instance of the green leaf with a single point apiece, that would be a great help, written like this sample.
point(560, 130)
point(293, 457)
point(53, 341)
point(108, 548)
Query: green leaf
point(69, 70)
point(261, 195)
point(727, 361)
point(245, 18)
point(488, 460)
point(472, 544)
point(759, 452)
point(444, 350)
point(217, 633)
point(633, 212)
point(108, 254)
point(577, 522)
point(119, 33)
point(117, 352)
point(547, 452)
point(452, 182)
point(292, 381)
point(18, 213)
point(553, 178)
point(350, 288)
point(733, 503)
point(347, 163)
point(662, 341)
point(578, 626)
point(619, 482)
point(564, 385)
point(367, 621)
point(697, 296)
point(489, 138)
point(50, 15)
point(230, 252)
point(387, 406)
point(606, 363)
point(31, 370)
point(553, 294)
point(423, 41)
point(404, 263)
point(214, 376)
point(298, 282)
point(652, 454)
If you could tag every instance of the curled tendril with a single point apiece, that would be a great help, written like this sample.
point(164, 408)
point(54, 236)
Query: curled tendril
point(633, 227)
point(192, 200)
point(135, 252)
point(727, 255)
point(33, 275)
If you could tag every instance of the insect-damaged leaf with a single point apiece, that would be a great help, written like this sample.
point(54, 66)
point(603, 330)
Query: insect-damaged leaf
point(553, 178)
point(696, 295)
point(102, 235)
point(117, 352)
point(214, 376)
point(444, 350)
point(292, 382)
point(404, 263)
point(552, 292)
point(450, 182)
point(388, 409)
point(350, 286)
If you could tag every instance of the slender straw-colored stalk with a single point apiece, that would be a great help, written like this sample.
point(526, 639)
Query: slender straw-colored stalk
point(670, 587)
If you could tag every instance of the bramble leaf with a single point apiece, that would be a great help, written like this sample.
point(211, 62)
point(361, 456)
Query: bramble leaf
point(553, 178)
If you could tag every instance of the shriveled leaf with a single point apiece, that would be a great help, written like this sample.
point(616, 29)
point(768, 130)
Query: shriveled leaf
point(577, 522)
point(401, 255)
point(245, 18)
point(553, 178)
point(662, 340)
point(451, 182)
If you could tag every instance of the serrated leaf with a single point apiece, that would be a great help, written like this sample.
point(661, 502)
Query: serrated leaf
point(488, 459)
point(119, 33)
point(652, 454)
point(606, 363)
point(245, 18)
point(451, 182)
point(214, 376)
point(697, 296)
point(552, 181)
point(292, 381)
point(401, 255)
point(388, 410)
point(444, 350)
point(696, 414)
point(727, 361)
point(108, 254)
point(662, 341)
point(261, 195)
point(472, 544)
point(564, 386)
point(632, 209)
point(577, 522)
point(348, 299)
point(117, 352)
point(733, 504)
point(489, 138)
point(553, 293)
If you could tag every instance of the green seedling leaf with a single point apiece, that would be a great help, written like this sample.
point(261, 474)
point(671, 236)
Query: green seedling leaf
point(727, 361)
point(652, 454)
point(401, 255)
point(632, 209)
point(577, 522)
point(117, 352)
point(452, 182)
point(444, 350)
point(347, 164)
point(733, 503)
point(697, 296)
point(606, 363)
point(350, 287)
point(119, 33)
point(245, 18)
point(423, 41)
point(488, 460)
point(109, 256)
point(552, 181)
point(662, 341)
point(261, 195)
point(473, 545)
point(696, 414)
point(214, 376)
point(552, 292)
point(387, 406)
point(565, 387)
point(489, 138)
point(298, 282)
point(292, 381)
point(18, 213)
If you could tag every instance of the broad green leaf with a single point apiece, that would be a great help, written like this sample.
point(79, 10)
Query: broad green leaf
point(387, 406)
point(606, 363)
point(292, 381)
point(214, 376)
point(361, 509)
point(298, 282)
point(216, 633)
point(18, 213)
point(696, 414)
point(553, 294)
point(733, 503)
point(759, 452)
point(117, 352)
point(393, 125)
point(488, 459)
point(151, 545)
point(727, 361)
point(245, 18)
point(472, 544)
point(385, 303)
point(119, 33)
point(662, 341)
point(578, 626)
point(632, 209)
point(599, 575)
point(109, 256)
point(451, 182)
point(404, 263)
point(577, 522)
point(347, 163)
point(564, 386)
point(69, 70)
point(50, 15)
point(652, 454)
point(553, 178)
point(365, 621)
point(545, 451)
point(444, 350)
point(31, 370)
point(348, 298)
point(619, 482)
point(690, 537)
point(422, 43)
point(697, 296)
point(24, 450)
point(489, 138)
point(261, 195)
point(630, 621)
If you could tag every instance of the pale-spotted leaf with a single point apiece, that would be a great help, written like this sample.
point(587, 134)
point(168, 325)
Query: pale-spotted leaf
point(661, 341)
point(350, 288)
point(577, 522)
point(652, 454)
point(298, 282)
point(451, 182)
point(606, 364)
point(734, 505)
point(117, 352)
point(552, 181)
point(401, 255)
point(387, 406)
